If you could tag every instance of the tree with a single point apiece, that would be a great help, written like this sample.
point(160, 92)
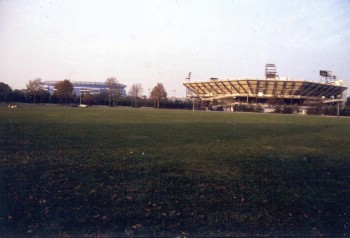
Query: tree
point(113, 90)
point(158, 93)
point(5, 91)
point(135, 92)
point(87, 99)
point(35, 88)
point(100, 99)
point(64, 90)
point(18, 96)
point(347, 103)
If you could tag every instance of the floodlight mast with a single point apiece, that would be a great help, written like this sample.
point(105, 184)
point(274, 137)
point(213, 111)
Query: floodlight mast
point(270, 71)
point(327, 75)
point(188, 91)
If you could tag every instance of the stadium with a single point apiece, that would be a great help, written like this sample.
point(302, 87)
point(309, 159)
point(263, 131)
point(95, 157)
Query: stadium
point(270, 89)
point(85, 87)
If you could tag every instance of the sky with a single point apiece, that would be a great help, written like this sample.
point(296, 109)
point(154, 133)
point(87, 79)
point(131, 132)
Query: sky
point(161, 41)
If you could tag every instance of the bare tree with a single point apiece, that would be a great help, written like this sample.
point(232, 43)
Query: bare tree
point(135, 92)
point(35, 88)
point(64, 90)
point(113, 90)
point(158, 93)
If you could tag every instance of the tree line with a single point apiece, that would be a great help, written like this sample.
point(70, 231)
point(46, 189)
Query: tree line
point(64, 94)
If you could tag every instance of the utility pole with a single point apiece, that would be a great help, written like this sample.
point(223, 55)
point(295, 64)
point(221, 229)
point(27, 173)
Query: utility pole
point(188, 91)
point(192, 103)
point(80, 98)
point(338, 97)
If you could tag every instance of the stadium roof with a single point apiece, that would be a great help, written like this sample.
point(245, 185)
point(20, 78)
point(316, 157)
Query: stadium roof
point(263, 88)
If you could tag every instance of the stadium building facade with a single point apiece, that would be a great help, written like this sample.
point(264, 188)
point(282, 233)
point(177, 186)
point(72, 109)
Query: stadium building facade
point(81, 87)
point(270, 88)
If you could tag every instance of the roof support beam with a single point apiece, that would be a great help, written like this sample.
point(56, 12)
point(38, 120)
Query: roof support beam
point(307, 87)
point(335, 92)
point(312, 91)
point(274, 91)
point(266, 86)
point(257, 87)
point(320, 93)
point(240, 86)
point(283, 85)
point(216, 85)
point(234, 86)
point(207, 88)
point(210, 84)
point(222, 83)
point(250, 87)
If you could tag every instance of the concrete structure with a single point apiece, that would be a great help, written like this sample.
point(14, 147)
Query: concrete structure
point(85, 87)
point(263, 90)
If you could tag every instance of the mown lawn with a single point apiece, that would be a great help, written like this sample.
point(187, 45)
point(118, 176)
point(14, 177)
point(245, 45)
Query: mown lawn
point(141, 172)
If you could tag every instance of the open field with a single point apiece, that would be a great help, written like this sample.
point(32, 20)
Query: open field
point(141, 172)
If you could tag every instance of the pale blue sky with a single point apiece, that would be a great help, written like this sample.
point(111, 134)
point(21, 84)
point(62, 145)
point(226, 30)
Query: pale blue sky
point(150, 41)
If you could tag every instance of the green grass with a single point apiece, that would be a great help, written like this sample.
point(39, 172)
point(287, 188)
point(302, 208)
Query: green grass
point(141, 172)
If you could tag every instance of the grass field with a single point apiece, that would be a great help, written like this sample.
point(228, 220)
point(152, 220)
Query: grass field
point(141, 172)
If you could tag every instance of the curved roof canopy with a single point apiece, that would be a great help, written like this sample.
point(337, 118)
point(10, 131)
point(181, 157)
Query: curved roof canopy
point(262, 88)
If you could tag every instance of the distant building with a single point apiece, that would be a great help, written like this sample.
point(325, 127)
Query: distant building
point(251, 90)
point(85, 87)
point(272, 87)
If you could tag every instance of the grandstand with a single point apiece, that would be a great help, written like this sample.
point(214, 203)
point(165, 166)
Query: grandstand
point(85, 87)
point(264, 90)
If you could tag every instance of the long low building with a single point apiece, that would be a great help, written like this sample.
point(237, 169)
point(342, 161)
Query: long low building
point(272, 88)
point(86, 87)
point(261, 90)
